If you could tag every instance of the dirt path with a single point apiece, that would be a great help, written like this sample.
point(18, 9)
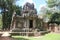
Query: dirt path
point(6, 38)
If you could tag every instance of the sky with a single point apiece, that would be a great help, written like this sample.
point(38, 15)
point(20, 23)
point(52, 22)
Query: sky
point(38, 3)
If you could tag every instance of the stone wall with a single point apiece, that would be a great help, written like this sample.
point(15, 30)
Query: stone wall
point(54, 28)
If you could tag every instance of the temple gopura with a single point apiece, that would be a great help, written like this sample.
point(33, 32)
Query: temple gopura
point(28, 18)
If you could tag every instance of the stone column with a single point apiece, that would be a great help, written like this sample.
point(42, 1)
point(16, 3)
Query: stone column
point(27, 23)
point(56, 28)
point(59, 28)
point(14, 26)
point(49, 27)
point(34, 23)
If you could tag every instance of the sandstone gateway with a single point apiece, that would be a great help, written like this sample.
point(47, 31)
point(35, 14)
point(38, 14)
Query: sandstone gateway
point(27, 20)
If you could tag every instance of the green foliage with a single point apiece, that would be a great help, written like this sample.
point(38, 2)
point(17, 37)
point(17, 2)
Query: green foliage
point(48, 14)
point(52, 3)
point(55, 17)
point(18, 10)
point(7, 7)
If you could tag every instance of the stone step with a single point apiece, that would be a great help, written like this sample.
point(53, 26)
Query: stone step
point(22, 30)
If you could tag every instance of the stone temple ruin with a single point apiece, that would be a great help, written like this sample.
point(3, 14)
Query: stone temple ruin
point(27, 20)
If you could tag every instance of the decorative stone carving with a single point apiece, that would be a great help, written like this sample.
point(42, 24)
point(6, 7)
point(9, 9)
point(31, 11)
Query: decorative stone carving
point(29, 11)
point(28, 6)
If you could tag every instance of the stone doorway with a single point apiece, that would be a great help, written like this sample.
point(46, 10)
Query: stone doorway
point(30, 23)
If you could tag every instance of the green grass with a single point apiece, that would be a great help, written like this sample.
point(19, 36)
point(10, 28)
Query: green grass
point(50, 36)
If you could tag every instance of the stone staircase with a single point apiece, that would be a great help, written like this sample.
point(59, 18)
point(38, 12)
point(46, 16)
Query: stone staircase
point(24, 32)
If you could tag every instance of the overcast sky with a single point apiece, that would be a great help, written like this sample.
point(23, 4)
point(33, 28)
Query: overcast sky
point(38, 3)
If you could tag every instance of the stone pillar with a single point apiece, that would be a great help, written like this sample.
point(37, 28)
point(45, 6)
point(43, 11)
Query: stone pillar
point(27, 23)
point(14, 26)
point(34, 23)
point(50, 27)
point(59, 27)
point(56, 28)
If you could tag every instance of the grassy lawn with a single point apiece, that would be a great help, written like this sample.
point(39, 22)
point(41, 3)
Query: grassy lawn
point(50, 36)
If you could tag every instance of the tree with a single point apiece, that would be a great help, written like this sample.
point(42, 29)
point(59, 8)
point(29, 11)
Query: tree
point(18, 10)
point(54, 4)
point(7, 7)
point(55, 18)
